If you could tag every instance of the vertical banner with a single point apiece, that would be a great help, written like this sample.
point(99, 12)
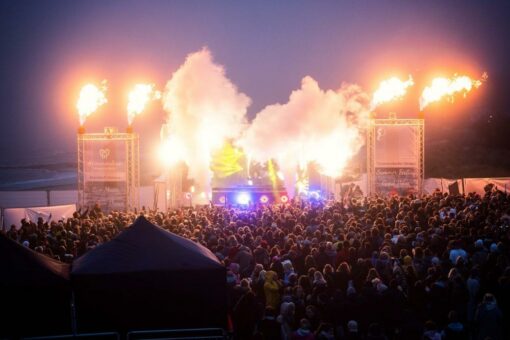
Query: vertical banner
point(105, 174)
point(397, 167)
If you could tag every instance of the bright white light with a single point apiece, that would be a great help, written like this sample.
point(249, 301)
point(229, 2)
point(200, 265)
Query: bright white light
point(243, 198)
point(250, 182)
point(279, 174)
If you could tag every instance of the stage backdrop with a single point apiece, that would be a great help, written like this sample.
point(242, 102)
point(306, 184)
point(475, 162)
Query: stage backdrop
point(397, 156)
point(105, 174)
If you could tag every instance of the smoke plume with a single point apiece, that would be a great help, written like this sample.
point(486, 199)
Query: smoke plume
point(204, 109)
point(314, 126)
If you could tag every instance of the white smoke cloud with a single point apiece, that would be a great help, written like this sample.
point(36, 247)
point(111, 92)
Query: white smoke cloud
point(323, 127)
point(204, 109)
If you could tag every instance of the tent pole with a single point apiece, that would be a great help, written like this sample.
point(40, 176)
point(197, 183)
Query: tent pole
point(73, 314)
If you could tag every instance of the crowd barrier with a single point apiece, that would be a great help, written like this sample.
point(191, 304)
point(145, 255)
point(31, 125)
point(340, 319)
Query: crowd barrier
point(157, 334)
point(101, 335)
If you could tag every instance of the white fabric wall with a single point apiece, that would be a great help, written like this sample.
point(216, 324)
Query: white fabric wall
point(477, 184)
point(431, 184)
point(48, 214)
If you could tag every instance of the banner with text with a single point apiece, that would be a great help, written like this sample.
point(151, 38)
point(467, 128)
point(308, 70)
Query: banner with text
point(105, 174)
point(397, 159)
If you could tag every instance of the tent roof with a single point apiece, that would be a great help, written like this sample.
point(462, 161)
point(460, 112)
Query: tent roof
point(22, 266)
point(145, 247)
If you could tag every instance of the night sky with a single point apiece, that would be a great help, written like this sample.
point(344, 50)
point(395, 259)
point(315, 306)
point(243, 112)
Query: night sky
point(49, 49)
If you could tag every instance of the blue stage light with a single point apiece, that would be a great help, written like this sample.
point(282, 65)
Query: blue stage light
point(243, 198)
point(315, 195)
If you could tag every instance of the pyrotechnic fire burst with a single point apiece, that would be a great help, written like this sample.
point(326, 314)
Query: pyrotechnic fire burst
point(204, 110)
point(138, 99)
point(447, 87)
point(390, 89)
point(91, 97)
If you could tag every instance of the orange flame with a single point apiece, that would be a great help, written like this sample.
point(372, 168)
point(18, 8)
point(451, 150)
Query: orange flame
point(91, 97)
point(442, 87)
point(390, 89)
point(138, 99)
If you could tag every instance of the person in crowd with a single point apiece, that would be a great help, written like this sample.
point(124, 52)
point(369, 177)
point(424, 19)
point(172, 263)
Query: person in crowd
point(352, 332)
point(325, 332)
point(455, 330)
point(303, 332)
point(286, 320)
point(272, 290)
point(489, 319)
point(431, 331)
point(269, 328)
point(386, 262)
point(457, 252)
point(245, 312)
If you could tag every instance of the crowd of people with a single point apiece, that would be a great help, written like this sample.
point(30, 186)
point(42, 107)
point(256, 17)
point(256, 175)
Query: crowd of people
point(431, 267)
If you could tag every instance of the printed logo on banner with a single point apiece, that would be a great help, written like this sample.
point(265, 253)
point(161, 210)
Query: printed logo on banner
point(380, 133)
point(104, 153)
point(397, 160)
point(105, 174)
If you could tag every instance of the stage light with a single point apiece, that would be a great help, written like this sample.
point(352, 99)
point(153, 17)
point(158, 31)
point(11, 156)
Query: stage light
point(250, 182)
point(264, 199)
point(315, 195)
point(243, 198)
point(284, 199)
point(222, 199)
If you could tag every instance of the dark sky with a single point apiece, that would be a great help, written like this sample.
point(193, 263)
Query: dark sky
point(49, 49)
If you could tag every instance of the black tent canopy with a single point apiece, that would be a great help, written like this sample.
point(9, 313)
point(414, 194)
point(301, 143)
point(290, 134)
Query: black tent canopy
point(148, 278)
point(34, 292)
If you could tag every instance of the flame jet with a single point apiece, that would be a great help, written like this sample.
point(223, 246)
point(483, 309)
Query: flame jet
point(138, 99)
point(91, 98)
point(390, 89)
point(447, 87)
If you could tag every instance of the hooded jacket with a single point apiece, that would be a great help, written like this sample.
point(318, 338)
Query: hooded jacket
point(272, 290)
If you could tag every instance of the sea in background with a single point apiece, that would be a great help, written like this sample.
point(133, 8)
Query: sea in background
point(27, 178)
point(43, 169)
point(38, 169)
